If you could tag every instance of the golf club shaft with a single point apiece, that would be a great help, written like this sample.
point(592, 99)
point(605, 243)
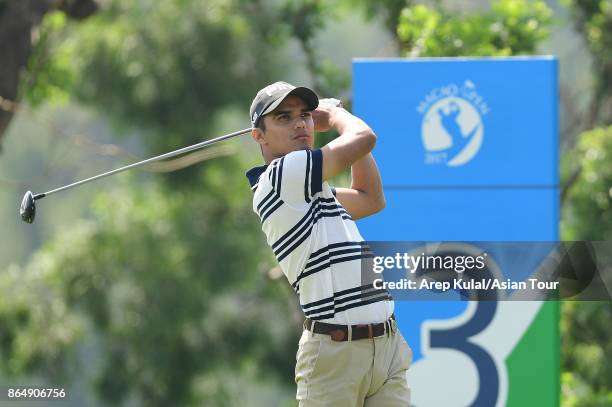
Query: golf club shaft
point(147, 161)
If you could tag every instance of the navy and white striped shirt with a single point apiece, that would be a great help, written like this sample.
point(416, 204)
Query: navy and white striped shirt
point(315, 241)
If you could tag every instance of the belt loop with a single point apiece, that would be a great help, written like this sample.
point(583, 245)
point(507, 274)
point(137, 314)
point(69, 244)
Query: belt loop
point(312, 328)
point(350, 332)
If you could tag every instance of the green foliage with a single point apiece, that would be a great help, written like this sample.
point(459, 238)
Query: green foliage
point(302, 20)
point(588, 208)
point(36, 327)
point(390, 10)
point(50, 74)
point(169, 68)
point(586, 344)
point(587, 214)
point(593, 18)
point(335, 81)
point(167, 287)
point(585, 326)
point(512, 27)
point(164, 66)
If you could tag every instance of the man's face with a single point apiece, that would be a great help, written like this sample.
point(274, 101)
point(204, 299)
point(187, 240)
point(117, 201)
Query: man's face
point(289, 127)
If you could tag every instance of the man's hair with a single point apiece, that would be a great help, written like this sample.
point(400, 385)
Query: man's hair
point(261, 125)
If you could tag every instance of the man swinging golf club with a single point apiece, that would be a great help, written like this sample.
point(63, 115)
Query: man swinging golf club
point(351, 352)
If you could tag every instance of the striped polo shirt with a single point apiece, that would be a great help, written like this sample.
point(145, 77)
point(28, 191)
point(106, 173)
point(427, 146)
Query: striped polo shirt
point(315, 241)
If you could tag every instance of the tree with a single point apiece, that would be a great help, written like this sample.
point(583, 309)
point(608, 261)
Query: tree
point(512, 27)
point(19, 21)
point(173, 71)
point(587, 215)
point(164, 288)
point(165, 68)
point(588, 209)
point(390, 11)
point(593, 20)
point(163, 284)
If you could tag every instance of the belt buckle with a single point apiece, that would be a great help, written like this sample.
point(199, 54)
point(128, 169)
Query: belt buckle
point(337, 335)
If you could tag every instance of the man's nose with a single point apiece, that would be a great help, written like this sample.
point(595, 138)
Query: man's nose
point(300, 122)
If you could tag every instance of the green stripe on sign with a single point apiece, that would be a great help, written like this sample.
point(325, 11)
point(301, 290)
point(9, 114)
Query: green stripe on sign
point(534, 364)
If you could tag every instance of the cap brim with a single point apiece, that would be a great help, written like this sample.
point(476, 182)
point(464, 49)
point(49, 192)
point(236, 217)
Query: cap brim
point(307, 95)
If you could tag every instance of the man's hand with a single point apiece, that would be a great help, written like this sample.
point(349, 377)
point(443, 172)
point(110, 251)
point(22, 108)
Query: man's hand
point(323, 113)
point(356, 140)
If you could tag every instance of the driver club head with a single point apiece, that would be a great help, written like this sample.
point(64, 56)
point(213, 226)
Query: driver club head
point(28, 208)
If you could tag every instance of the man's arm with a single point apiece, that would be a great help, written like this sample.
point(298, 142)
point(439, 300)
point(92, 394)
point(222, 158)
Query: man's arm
point(365, 197)
point(351, 148)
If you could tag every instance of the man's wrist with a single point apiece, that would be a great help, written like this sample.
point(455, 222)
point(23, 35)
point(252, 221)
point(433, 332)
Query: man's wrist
point(338, 117)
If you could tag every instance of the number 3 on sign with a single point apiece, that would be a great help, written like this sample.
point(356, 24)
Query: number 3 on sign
point(468, 373)
point(467, 354)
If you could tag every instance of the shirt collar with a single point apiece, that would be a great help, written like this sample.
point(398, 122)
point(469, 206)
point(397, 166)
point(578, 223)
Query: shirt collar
point(254, 173)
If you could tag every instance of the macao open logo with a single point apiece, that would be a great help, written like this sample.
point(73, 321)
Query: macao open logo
point(452, 129)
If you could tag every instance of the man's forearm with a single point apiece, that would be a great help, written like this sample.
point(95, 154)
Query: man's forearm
point(364, 172)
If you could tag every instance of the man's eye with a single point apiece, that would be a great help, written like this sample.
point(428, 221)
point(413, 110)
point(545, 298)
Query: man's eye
point(306, 115)
point(283, 117)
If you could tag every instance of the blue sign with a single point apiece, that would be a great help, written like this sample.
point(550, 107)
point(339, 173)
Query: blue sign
point(467, 149)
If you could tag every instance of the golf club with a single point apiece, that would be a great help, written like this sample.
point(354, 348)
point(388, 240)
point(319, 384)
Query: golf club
point(28, 203)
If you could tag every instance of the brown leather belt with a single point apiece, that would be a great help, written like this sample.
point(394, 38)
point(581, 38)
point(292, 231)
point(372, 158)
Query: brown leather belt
point(339, 333)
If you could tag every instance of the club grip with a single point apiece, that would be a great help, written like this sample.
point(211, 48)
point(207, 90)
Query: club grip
point(331, 101)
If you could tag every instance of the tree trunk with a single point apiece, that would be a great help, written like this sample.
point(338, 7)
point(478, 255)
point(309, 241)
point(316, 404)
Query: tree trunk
point(18, 20)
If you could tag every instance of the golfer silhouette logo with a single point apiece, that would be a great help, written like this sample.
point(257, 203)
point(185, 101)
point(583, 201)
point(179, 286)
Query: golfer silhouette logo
point(452, 129)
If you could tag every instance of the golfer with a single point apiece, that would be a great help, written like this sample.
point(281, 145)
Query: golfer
point(351, 352)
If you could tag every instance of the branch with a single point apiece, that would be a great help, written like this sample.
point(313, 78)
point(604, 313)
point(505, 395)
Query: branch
point(78, 9)
point(570, 183)
point(18, 19)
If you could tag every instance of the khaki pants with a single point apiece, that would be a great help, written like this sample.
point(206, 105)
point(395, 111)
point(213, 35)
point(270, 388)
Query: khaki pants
point(364, 372)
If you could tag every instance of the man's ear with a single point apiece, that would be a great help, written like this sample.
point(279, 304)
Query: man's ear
point(258, 135)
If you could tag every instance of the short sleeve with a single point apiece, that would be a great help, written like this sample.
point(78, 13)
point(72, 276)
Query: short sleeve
point(298, 176)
